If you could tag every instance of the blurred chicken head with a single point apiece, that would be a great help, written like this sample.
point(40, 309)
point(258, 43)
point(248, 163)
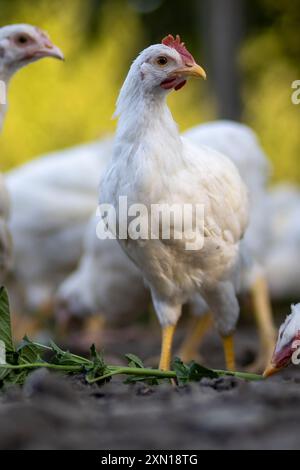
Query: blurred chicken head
point(288, 343)
point(22, 44)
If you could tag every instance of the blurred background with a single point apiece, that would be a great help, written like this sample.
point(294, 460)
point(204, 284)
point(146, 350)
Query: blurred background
point(250, 48)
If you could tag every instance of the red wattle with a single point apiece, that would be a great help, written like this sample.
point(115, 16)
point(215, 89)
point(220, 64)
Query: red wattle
point(172, 83)
point(180, 85)
point(169, 83)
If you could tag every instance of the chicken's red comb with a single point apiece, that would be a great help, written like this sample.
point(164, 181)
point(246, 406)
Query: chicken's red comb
point(176, 43)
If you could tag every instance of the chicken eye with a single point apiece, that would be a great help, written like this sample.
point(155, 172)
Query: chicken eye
point(22, 39)
point(162, 60)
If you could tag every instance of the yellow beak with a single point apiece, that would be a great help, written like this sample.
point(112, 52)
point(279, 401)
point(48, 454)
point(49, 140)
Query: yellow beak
point(49, 51)
point(193, 70)
point(271, 370)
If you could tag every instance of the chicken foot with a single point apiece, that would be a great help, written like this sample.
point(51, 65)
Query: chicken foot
point(166, 350)
point(196, 330)
point(265, 324)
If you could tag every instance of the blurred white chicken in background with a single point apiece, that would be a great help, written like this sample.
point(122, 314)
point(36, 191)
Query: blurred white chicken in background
point(20, 44)
point(5, 237)
point(283, 261)
point(52, 200)
point(106, 282)
point(153, 165)
point(288, 343)
point(241, 145)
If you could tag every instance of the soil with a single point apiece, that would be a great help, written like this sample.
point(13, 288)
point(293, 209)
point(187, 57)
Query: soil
point(56, 412)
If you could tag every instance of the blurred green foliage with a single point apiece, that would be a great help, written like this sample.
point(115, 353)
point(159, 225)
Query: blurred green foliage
point(270, 60)
point(54, 105)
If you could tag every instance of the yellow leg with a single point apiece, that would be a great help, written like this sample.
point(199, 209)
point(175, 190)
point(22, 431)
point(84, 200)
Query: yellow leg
point(166, 350)
point(265, 324)
point(88, 329)
point(229, 352)
point(47, 308)
point(196, 330)
point(24, 324)
point(95, 324)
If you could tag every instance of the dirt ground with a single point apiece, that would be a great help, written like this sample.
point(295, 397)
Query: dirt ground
point(55, 412)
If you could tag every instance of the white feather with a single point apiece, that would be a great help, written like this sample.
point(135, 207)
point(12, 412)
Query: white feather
point(289, 329)
point(282, 263)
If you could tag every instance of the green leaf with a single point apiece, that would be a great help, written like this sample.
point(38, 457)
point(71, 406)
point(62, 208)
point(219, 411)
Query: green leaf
point(17, 377)
point(94, 354)
point(29, 352)
point(197, 372)
point(3, 374)
point(5, 323)
point(142, 378)
point(191, 372)
point(134, 361)
point(97, 359)
point(62, 357)
point(98, 366)
point(181, 369)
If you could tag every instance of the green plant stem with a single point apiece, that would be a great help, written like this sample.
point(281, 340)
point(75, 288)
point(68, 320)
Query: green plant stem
point(122, 370)
point(114, 370)
point(48, 348)
point(240, 375)
point(37, 365)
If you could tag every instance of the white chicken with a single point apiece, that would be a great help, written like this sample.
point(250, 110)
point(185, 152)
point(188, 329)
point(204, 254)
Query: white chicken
point(152, 164)
point(20, 45)
point(287, 348)
point(121, 290)
point(80, 294)
point(282, 261)
point(52, 200)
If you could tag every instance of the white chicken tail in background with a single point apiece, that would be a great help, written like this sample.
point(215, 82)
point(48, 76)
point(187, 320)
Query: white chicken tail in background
point(153, 165)
point(239, 143)
point(282, 260)
point(288, 343)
